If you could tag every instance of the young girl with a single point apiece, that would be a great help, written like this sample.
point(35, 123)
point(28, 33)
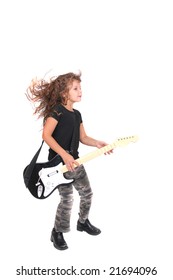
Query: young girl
point(62, 130)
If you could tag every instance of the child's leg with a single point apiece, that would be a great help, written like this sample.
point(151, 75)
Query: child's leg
point(82, 185)
point(63, 213)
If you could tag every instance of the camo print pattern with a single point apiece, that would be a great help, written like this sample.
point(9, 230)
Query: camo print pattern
point(82, 185)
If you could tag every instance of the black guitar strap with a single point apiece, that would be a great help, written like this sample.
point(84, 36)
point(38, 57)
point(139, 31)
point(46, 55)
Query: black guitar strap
point(73, 140)
point(29, 169)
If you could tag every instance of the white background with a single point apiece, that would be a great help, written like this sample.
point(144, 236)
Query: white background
point(124, 50)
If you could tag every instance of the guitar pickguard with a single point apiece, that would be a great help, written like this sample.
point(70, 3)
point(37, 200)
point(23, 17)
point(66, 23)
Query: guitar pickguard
point(51, 179)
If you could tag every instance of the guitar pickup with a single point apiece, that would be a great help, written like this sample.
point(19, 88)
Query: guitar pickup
point(52, 173)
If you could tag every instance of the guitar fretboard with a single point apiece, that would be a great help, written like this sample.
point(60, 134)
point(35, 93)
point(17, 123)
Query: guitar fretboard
point(119, 142)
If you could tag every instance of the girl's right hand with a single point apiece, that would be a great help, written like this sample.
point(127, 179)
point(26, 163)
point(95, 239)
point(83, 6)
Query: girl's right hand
point(70, 162)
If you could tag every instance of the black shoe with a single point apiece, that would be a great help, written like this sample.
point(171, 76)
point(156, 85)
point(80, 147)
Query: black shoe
point(58, 240)
point(88, 227)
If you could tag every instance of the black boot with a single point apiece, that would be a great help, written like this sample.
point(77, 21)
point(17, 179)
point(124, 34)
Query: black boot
point(88, 227)
point(58, 240)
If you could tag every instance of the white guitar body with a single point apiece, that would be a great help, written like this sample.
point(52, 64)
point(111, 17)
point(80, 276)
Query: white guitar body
point(52, 177)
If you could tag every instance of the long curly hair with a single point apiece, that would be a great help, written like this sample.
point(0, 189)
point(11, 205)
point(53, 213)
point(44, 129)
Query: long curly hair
point(46, 94)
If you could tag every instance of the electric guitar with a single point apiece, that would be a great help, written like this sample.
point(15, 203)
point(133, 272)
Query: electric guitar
point(47, 176)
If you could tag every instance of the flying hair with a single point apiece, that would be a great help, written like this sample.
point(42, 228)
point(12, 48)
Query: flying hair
point(46, 94)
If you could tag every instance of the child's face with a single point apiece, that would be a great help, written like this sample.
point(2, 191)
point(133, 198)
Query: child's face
point(75, 92)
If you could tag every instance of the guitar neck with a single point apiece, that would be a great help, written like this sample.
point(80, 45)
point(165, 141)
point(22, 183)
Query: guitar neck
point(99, 152)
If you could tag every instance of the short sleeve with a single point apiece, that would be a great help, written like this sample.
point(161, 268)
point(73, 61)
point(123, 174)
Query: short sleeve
point(56, 113)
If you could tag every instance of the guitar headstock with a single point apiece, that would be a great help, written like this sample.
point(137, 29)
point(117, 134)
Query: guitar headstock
point(126, 140)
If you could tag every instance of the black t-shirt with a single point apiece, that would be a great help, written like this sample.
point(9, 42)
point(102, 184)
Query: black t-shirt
point(66, 132)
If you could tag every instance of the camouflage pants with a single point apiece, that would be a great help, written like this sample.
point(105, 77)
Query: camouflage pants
point(82, 185)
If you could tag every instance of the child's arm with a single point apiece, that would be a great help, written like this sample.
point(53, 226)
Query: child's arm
point(89, 141)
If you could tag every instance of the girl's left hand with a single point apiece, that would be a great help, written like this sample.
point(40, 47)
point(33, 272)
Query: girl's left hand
point(101, 144)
